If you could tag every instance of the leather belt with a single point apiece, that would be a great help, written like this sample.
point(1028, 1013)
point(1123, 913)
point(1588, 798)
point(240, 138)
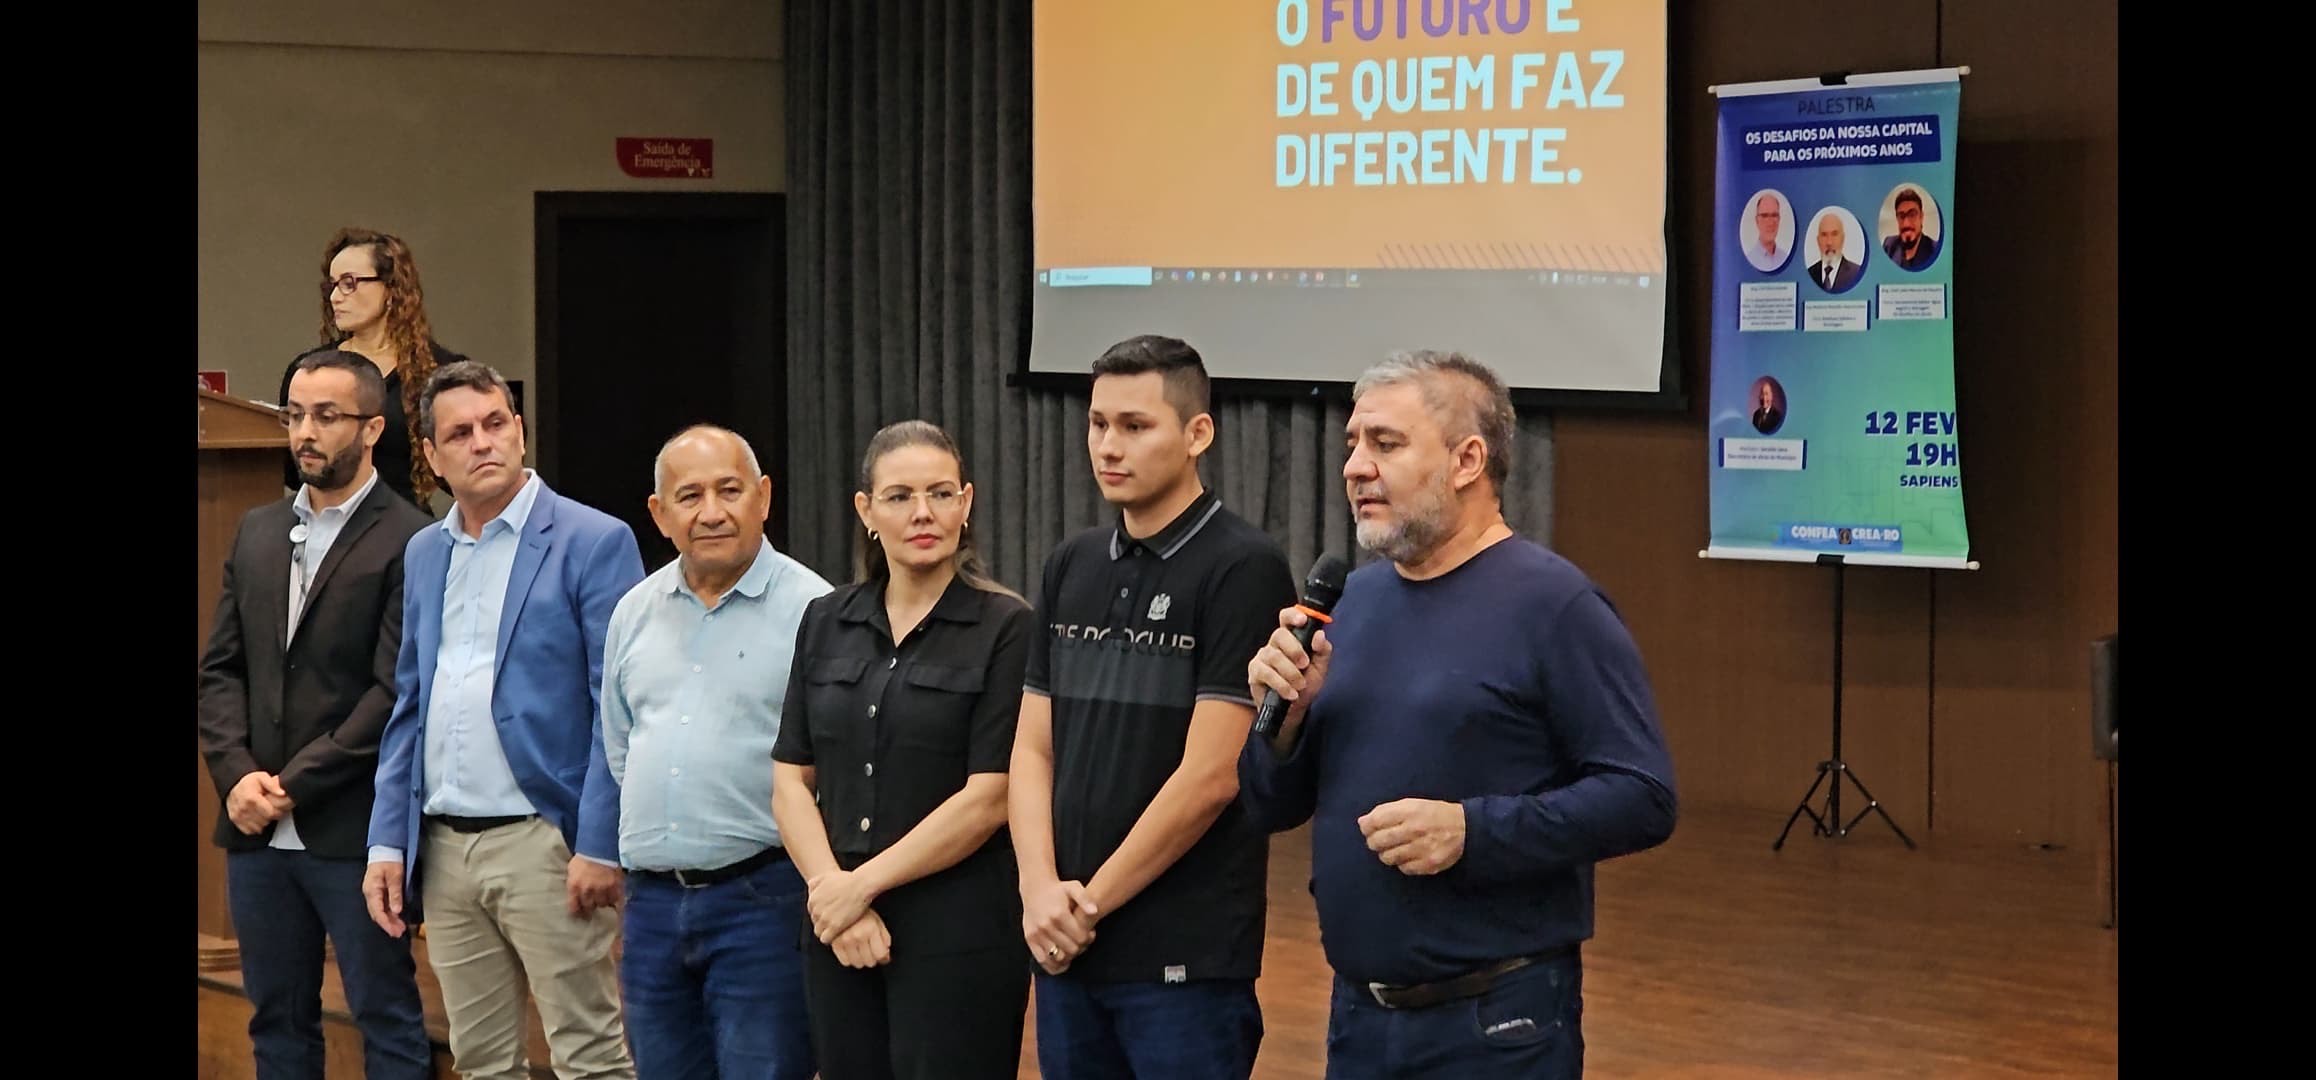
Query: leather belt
point(700, 879)
point(477, 824)
point(1467, 985)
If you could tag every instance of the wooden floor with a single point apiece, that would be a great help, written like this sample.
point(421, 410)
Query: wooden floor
point(1716, 958)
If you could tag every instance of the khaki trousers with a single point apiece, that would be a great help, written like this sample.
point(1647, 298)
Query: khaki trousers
point(497, 909)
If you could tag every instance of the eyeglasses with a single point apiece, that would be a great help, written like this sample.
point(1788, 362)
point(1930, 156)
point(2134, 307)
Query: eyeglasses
point(941, 499)
point(322, 417)
point(347, 283)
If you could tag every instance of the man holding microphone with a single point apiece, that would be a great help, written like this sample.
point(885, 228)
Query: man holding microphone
point(1469, 735)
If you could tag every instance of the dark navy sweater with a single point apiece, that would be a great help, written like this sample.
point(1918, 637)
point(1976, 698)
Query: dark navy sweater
point(1509, 685)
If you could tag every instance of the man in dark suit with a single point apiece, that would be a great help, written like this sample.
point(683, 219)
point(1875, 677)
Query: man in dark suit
point(1833, 271)
point(497, 820)
point(1767, 417)
point(295, 691)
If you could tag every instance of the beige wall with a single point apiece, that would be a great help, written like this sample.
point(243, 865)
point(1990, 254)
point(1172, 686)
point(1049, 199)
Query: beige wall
point(437, 121)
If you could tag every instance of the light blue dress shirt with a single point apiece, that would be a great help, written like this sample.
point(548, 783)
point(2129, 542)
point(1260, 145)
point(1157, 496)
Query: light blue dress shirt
point(467, 774)
point(691, 706)
point(321, 530)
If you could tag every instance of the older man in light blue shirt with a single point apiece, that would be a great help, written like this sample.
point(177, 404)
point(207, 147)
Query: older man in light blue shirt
point(695, 669)
point(689, 714)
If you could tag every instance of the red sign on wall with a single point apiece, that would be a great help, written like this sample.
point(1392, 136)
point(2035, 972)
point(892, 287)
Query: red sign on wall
point(661, 159)
point(214, 380)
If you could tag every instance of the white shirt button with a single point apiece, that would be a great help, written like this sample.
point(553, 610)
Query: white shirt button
point(685, 720)
point(864, 824)
point(872, 711)
point(695, 669)
point(675, 826)
point(892, 663)
point(869, 769)
point(675, 772)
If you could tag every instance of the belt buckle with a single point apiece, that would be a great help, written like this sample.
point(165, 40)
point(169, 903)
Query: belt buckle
point(684, 878)
point(1375, 990)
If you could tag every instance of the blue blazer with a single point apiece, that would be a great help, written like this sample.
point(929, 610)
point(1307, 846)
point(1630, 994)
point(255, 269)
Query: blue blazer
point(573, 565)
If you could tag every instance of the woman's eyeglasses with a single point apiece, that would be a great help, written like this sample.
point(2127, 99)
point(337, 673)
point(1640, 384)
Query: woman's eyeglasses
point(346, 283)
point(941, 499)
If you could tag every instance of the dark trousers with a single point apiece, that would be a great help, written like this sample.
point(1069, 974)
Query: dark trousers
point(710, 977)
point(1527, 1026)
point(954, 1015)
point(1207, 1029)
point(284, 905)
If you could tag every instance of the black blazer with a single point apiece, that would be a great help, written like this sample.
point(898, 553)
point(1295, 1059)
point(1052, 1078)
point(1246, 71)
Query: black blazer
point(312, 712)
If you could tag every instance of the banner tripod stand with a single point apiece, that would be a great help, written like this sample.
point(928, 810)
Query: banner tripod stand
point(1832, 771)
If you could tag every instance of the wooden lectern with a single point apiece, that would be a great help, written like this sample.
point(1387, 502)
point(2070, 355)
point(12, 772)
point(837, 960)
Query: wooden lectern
point(241, 447)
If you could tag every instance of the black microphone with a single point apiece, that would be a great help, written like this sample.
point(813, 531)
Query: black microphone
point(1320, 591)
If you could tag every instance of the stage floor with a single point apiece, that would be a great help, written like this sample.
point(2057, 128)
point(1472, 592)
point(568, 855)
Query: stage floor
point(1717, 958)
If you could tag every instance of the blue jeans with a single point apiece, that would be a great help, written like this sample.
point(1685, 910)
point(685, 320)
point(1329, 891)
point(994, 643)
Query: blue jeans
point(1527, 1026)
point(284, 903)
point(713, 977)
point(1203, 1030)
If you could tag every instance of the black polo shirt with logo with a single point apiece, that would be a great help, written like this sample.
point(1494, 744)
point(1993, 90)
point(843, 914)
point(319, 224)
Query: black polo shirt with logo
point(1137, 633)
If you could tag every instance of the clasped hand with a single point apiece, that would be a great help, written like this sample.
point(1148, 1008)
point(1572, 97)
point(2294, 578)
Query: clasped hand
point(838, 902)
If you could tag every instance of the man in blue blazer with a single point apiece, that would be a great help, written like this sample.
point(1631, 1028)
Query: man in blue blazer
point(496, 819)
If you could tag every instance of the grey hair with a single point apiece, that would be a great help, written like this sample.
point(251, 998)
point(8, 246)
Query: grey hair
point(1464, 396)
point(659, 460)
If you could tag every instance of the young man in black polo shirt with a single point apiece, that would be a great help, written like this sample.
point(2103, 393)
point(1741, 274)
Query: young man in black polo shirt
point(1124, 781)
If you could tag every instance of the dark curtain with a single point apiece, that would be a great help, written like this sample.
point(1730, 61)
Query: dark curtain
point(909, 275)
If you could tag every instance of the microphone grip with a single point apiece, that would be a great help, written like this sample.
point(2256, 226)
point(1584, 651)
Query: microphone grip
point(1274, 708)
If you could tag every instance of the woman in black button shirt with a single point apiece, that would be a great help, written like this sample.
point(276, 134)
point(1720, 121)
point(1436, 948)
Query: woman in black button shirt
point(889, 784)
point(373, 306)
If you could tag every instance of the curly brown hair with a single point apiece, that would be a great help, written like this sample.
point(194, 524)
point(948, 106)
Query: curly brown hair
point(407, 331)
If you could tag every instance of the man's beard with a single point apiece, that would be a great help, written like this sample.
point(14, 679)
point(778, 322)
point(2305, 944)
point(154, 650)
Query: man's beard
point(337, 472)
point(1420, 520)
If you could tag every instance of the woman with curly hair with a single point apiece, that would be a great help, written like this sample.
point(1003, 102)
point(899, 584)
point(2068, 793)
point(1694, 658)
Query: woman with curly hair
point(372, 305)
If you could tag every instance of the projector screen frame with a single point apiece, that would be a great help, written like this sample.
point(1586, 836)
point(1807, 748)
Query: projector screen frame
point(1672, 394)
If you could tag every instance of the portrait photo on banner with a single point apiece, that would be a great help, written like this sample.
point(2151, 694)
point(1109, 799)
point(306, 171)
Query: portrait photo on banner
point(1766, 405)
point(1910, 227)
point(1765, 230)
point(1837, 249)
